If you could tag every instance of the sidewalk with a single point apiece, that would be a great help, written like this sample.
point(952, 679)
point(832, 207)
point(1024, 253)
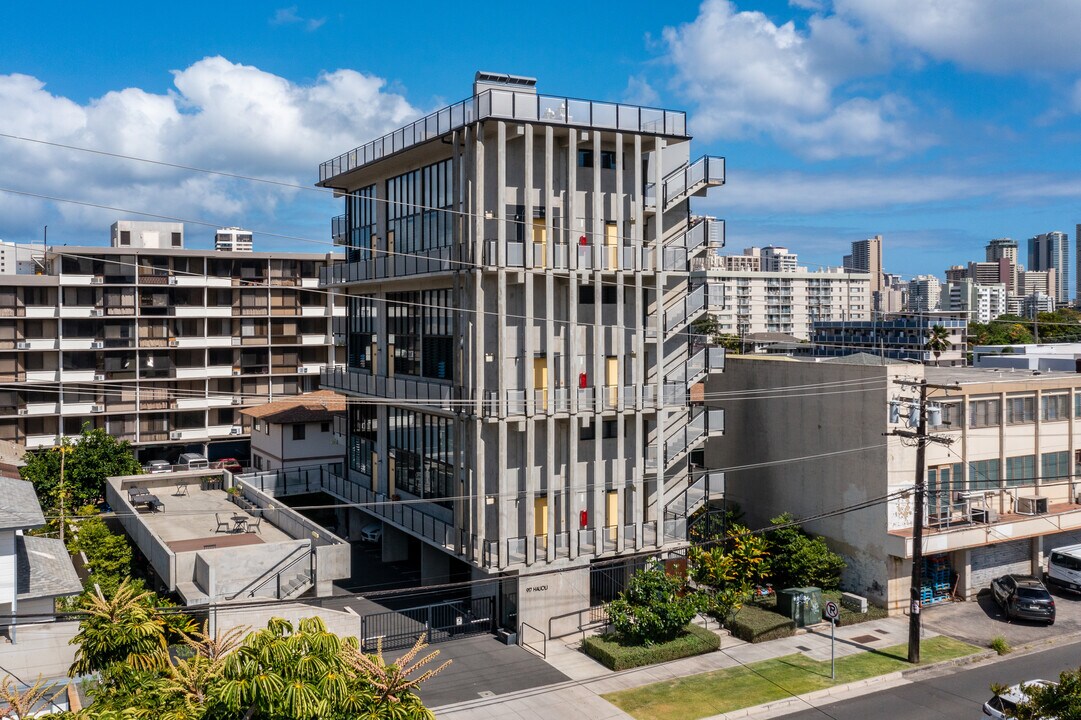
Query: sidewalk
point(580, 699)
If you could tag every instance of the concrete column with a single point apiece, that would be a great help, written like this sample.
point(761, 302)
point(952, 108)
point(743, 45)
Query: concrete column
point(434, 565)
point(395, 544)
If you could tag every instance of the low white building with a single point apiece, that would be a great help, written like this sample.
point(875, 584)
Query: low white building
point(983, 303)
point(34, 571)
point(297, 431)
point(999, 497)
point(233, 239)
point(924, 293)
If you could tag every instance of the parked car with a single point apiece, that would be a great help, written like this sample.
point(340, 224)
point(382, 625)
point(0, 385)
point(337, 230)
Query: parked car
point(372, 532)
point(1023, 596)
point(1005, 705)
point(158, 466)
point(192, 461)
point(231, 465)
point(1064, 568)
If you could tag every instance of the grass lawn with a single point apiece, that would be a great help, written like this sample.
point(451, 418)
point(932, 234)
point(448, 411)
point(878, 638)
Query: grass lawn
point(730, 689)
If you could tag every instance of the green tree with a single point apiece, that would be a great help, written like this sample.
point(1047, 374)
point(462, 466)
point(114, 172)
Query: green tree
point(654, 608)
point(708, 325)
point(799, 560)
point(1061, 701)
point(938, 340)
point(730, 569)
point(88, 460)
point(1006, 330)
point(108, 554)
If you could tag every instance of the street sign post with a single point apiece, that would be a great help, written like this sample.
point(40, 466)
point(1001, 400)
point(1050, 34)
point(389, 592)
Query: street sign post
point(832, 612)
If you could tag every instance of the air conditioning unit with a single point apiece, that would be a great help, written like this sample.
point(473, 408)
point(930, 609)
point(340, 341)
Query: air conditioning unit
point(172, 280)
point(173, 342)
point(1032, 505)
point(24, 411)
point(176, 435)
point(984, 515)
point(97, 408)
point(302, 369)
point(237, 400)
point(96, 312)
point(236, 371)
point(97, 280)
point(236, 430)
point(22, 345)
point(100, 377)
point(97, 345)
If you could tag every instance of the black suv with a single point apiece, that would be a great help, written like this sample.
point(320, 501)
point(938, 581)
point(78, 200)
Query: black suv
point(1025, 597)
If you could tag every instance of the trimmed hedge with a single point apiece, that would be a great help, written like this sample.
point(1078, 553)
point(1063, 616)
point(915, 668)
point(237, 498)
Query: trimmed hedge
point(609, 651)
point(754, 624)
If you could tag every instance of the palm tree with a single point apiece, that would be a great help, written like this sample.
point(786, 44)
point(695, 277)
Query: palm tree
point(938, 339)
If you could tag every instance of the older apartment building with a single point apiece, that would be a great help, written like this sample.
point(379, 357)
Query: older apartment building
point(159, 345)
point(999, 497)
point(520, 298)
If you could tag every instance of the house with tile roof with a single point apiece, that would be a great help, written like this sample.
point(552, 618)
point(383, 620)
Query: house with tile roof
point(297, 431)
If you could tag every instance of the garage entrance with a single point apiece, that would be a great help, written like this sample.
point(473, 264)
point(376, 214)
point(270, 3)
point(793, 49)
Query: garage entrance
point(988, 563)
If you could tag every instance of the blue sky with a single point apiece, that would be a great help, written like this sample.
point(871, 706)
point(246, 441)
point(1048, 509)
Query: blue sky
point(939, 124)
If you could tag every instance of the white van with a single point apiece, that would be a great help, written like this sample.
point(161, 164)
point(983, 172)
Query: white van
point(1064, 567)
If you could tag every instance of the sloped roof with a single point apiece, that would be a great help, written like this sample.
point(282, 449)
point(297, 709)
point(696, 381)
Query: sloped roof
point(860, 358)
point(19, 507)
point(44, 568)
point(315, 406)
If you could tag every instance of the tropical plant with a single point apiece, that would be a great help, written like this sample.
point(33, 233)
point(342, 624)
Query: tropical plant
point(108, 554)
point(25, 702)
point(1061, 701)
point(799, 560)
point(730, 569)
point(87, 461)
point(654, 607)
point(938, 341)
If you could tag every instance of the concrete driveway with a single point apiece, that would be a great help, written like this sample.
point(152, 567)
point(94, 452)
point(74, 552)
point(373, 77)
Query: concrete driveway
point(977, 622)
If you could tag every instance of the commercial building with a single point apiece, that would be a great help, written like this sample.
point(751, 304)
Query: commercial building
point(233, 239)
point(1051, 251)
point(19, 258)
point(159, 345)
point(924, 294)
point(867, 257)
point(778, 259)
point(518, 267)
point(751, 302)
point(900, 337)
point(999, 497)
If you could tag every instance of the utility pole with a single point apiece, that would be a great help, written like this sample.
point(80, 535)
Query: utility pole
point(922, 438)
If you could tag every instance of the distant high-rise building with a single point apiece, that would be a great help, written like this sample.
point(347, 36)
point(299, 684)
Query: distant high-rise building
point(1051, 251)
point(957, 273)
point(867, 257)
point(233, 239)
point(983, 303)
point(924, 293)
point(1077, 256)
point(1000, 248)
point(1036, 281)
point(778, 259)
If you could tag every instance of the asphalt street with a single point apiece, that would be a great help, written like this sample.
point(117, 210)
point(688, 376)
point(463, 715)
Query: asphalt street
point(956, 695)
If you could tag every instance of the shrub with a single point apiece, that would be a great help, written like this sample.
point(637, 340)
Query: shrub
point(999, 645)
point(654, 608)
point(799, 560)
point(611, 650)
point(754, 624)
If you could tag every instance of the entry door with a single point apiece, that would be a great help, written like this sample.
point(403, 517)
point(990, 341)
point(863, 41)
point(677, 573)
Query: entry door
point(540, 380)
point(941, 483)
point(611, 379)
point(540, 520)
point(611, 243)
point(540, 242)
point(611, 514)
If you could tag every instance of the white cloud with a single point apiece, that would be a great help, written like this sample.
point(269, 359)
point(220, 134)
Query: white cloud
point(999, 36)
point(289, 16)
point(748, 76)
point(221, 115)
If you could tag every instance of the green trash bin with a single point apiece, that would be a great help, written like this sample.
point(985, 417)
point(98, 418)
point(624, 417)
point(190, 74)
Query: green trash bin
point(803, 605)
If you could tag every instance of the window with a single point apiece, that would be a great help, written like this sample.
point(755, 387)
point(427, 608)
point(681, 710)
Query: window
point(420, 208)
point(1020, 410)
point(125, 237)
point(983, 413)
point(1055, 407)
point(176, 239)
point(298, 431)
point(608, 159)
point(360, 223)
point(587, 432)
point(1077, 405)
point(324, 427)
point(608, 294)
point(363, 426)
point(361, 332)
point(984, 474)
point(608, 429)
point(1020, 470)
point(951, 416)
point(586, 296)
point(1054, 465)
point(422, 324)
point(424, 453)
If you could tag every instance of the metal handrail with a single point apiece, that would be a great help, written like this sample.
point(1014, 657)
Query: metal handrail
point(544, 640)
point(276, 570)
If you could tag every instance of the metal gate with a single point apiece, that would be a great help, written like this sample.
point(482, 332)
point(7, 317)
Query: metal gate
point(1062, 539)
point(988, 563)
point(437, 623)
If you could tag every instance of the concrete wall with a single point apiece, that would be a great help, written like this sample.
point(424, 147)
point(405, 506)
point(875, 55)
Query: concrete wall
point(552, 602)
point(230, 570)
point(7, 567)
point(832, 434)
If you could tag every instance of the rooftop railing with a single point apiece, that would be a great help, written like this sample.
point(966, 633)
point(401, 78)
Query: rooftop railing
point(506, 104)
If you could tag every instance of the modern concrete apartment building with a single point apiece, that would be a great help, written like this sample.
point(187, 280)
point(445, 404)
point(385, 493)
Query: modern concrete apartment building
point(752, 302)
point(1051, 251)
point(999, 497)
point(899, 337)
point(867, 257)
point(520, 300)
point(924, 294)
point(983, 303)
point(160, 346)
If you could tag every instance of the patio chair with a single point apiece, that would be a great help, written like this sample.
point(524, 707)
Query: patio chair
point(253, 525)
point(223, 525)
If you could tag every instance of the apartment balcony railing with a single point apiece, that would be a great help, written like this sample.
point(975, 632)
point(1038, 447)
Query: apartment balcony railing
point(381, 266)
point(604, 257)
point(703, 422)
point(359, 383)
point(338, 229)
point(506, 104)
point(688, 307)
